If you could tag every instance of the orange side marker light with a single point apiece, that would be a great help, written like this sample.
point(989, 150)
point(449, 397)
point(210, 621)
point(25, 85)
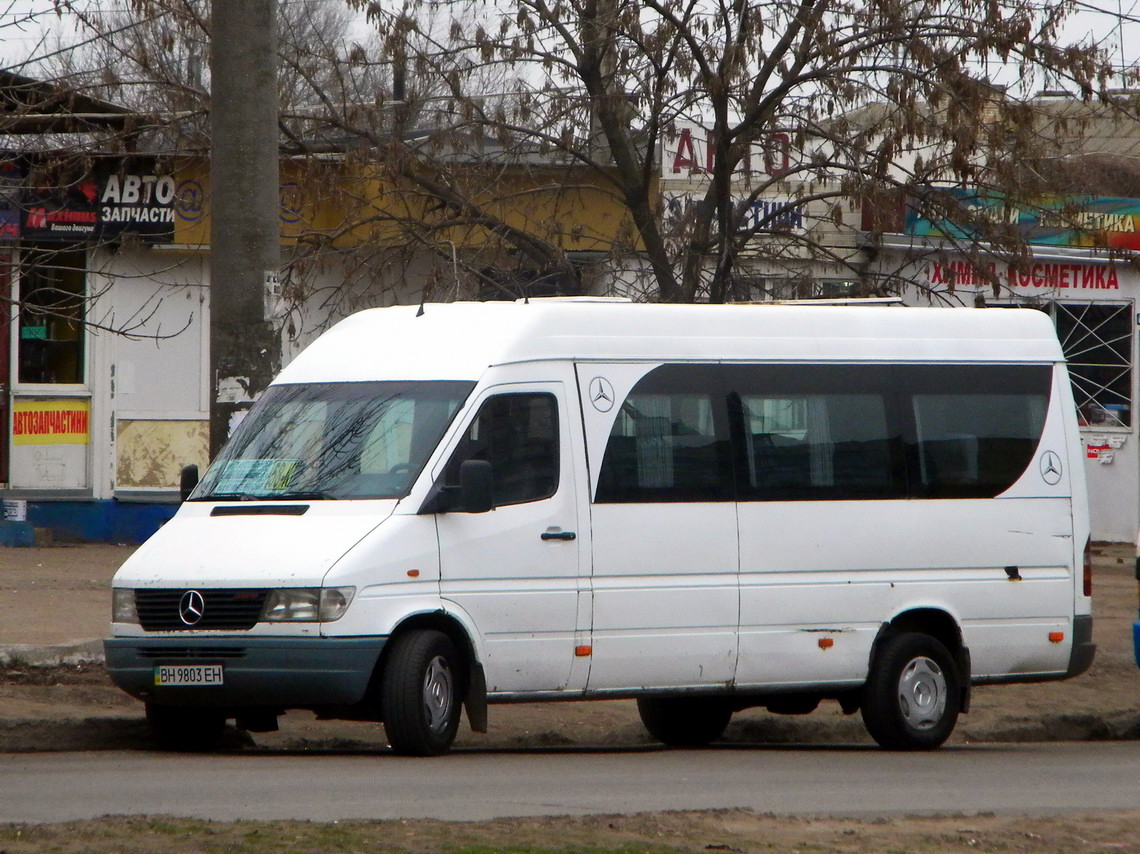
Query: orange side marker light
point(413, 573)
point(583, 651)
point(826, 643)
point(1056, 637)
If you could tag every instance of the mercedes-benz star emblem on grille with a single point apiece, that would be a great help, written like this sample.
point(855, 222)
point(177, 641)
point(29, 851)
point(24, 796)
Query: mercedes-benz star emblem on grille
point(1051, 468)
point(191, 607)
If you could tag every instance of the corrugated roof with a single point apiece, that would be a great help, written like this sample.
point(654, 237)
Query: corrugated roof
point(30, 106)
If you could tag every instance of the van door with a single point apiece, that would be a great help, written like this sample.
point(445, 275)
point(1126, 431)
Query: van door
point(663, 517)
point(515, 570)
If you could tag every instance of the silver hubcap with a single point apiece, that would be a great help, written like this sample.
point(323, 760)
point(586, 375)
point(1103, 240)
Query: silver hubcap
point(922, 693)
point(437, 693)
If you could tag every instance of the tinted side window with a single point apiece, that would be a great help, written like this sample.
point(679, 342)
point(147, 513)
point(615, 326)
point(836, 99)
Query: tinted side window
point(975, 428)
point(816, 432)
point(518, 435)
point(825, 432)
point(669, 441)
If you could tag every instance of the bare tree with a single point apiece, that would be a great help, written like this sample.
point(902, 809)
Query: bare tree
point(482, 125)
point(820, 103)
point(152, 57)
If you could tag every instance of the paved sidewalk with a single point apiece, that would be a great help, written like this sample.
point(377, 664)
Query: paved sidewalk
point(55, 603)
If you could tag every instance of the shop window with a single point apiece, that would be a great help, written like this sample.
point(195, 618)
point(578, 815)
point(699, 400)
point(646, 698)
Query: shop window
point(1097, 339)
point(51, 316)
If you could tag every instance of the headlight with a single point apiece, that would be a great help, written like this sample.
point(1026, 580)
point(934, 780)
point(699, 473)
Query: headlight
point(306, 604)
point(123, 608)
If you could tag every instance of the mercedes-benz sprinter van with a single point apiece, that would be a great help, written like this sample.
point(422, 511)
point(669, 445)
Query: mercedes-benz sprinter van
point(706, 508)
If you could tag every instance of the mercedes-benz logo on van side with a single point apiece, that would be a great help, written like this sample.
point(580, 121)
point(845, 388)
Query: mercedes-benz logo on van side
point(1050, 468)
point(601, 394)
point(191, 607)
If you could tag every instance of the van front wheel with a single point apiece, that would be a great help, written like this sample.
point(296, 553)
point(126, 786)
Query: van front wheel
point(421, 693)
point(913, 694)
point(684, 721)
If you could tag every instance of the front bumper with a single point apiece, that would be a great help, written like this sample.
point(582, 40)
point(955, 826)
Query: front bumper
point(259, 672)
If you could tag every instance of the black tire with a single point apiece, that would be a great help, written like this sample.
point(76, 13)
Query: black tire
point(185, 728)
point(684, 721)
point(913, 694)
point(421, 693)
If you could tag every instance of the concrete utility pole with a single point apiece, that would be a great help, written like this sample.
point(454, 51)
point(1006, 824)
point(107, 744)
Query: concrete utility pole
point(245, 249)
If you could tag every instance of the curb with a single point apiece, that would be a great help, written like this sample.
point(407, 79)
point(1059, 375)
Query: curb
point(29, 655)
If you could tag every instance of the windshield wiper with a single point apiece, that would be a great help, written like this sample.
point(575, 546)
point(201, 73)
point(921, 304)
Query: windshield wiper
point(300, 495)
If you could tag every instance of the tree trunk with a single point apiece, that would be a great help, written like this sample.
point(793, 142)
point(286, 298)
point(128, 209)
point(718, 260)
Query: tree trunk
point(245, 350)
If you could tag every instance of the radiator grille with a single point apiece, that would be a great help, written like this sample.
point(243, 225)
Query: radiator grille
point(232, 609)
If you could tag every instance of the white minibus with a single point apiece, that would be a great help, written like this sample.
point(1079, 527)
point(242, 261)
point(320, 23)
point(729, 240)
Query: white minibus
point(703, 508)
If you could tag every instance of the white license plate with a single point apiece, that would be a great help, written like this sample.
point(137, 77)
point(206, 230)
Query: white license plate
point(188, 674)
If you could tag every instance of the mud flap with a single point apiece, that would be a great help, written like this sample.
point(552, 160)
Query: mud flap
point(475, 703)
point(964, 674)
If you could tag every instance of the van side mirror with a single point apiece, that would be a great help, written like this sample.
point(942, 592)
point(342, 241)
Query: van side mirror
point(474, 494)
point(476, 486)
point(187, 481)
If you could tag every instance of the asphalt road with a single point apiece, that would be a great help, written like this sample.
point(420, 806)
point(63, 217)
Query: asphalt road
point(472, 785)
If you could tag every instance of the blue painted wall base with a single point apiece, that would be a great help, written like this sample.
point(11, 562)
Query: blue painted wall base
point(95, 521)
point(17, 533)
point(1136, 641)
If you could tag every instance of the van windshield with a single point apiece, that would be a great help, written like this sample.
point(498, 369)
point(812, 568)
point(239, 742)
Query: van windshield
point(333, 441)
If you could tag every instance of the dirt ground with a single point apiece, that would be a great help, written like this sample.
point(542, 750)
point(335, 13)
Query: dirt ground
point(74, 707)
point(730, 831)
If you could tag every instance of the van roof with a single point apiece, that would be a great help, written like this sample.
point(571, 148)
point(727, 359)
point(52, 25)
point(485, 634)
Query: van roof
point(458, 341)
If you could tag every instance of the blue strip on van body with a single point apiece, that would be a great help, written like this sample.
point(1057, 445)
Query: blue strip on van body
point(1136, 641)
point(280, 672)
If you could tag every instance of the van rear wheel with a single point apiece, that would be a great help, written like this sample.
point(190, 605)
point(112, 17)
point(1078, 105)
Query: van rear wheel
point(421, 693)
point(684, 721)
point(913, 694)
